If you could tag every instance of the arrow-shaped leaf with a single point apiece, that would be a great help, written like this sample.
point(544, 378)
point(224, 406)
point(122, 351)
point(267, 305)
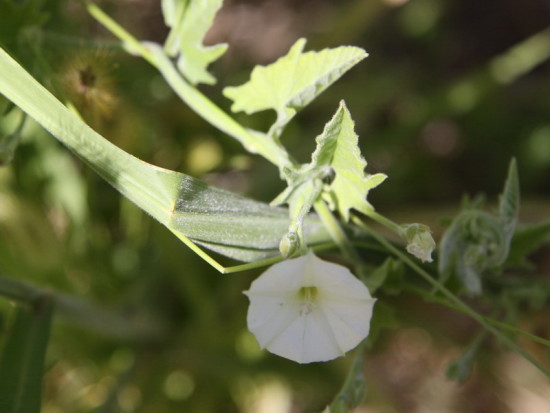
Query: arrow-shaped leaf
point(338, 148)
point(293, 81)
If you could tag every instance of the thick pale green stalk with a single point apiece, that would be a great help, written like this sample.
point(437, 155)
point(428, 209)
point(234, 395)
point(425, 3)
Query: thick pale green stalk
point(232, 225)
point(151, 188)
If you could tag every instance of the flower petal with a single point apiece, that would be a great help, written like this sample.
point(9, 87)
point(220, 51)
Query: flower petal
point(268, 317)
point(349, 321)
point(308, 339)
point(319, 326)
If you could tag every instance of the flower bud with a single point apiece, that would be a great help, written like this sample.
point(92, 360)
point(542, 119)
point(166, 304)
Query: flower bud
point(420, 242)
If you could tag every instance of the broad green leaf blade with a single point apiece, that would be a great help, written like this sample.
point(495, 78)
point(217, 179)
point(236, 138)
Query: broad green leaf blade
point(293, 81)
point(22, 364)
point(338, 148)
point(190, 20)
point(165, 195)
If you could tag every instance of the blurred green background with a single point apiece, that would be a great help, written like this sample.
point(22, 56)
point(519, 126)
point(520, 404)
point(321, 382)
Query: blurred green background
point(450, 92)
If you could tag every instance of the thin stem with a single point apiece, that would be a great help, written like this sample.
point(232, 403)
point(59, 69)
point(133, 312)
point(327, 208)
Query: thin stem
point(505, 326)
point(388, 223)
point(130, 42)
point(336, 232)
point(452, 297)
point(268, 261)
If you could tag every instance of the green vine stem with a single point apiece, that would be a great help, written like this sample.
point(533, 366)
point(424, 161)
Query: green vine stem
point(386, 222)
point(254, 142)
point(336, 232)
point(504, 326)
point(450, 296)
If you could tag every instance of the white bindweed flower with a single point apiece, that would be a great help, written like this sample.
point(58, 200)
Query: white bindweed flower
point(307, 310)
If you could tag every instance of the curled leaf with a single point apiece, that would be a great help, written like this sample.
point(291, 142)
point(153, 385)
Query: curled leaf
point(477, 241)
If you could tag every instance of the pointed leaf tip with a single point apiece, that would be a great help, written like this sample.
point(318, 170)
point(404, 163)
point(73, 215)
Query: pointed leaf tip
point(510, 197)
point(338, 146)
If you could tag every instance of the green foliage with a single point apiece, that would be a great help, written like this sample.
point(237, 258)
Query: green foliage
point(189, 21)
point(292, 82)
point(526, 240)
point(22, 362)
point(9, 140)
point(336, 172)
point(477, 241)
point(338, 149)
point(388, 275)
point(461, 369)
point(192, 323)
point(218, 219)
point(17, 15)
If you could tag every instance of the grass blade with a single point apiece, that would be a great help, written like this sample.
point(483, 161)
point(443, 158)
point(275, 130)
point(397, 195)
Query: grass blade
point(22, 364)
